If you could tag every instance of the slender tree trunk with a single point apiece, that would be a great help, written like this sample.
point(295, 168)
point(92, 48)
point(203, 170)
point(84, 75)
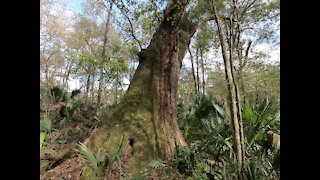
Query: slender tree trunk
point(105, 41)
point(202, 69)
point(101, 82)
point(231, 88)
point(92, 90)
point(240, 72)
point(233, 36)
point(243, 89)
point(116, 88)
point(105, 93)
point(66, 75)
point(193, 73)
point(87, 88)
point(198, 77)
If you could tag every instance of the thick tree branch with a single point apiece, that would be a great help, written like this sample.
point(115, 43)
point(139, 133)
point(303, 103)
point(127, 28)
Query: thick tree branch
point(197, 24)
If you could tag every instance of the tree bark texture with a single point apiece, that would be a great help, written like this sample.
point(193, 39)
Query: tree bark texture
point(147, 116)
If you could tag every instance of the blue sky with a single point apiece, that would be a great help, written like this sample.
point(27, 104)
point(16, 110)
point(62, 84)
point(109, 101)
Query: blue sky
point(76, 6)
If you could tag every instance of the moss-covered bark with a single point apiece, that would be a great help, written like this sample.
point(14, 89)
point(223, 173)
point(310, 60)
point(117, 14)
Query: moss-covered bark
point(147, 112)
point(141, 116)
point(135, 118)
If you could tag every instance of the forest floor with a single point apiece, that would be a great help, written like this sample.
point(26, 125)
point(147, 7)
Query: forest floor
point(72, 169)
point(59, 158)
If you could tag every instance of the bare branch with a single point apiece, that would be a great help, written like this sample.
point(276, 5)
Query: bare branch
point(156, 10)
point(123, 10)
point(247, 53)
point(92, 49)
point(247, 7)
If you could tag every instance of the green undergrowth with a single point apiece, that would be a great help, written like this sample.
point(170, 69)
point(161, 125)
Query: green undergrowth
point(206, 126)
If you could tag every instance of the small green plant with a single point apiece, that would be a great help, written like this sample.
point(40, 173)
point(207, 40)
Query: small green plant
point(93, 159)
point(258, 120)
point(71, 109)
point(144, 172)
point(155, 164)
point(189, 160)
point(250, 170)
point(42, 136)
point(58, 93)
point(196, 118)
point(116, 154)
point(45, 124)
point(276, 160)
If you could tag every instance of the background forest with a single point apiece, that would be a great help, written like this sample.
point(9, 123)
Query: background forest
point(89, 54)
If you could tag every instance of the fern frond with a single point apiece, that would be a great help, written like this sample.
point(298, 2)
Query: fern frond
point(155, 164)
point(88, 155)
point(45, 124)
point(42, 136)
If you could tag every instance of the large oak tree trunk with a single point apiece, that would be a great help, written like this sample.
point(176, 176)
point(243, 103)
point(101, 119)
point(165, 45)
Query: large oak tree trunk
point(146, 116)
